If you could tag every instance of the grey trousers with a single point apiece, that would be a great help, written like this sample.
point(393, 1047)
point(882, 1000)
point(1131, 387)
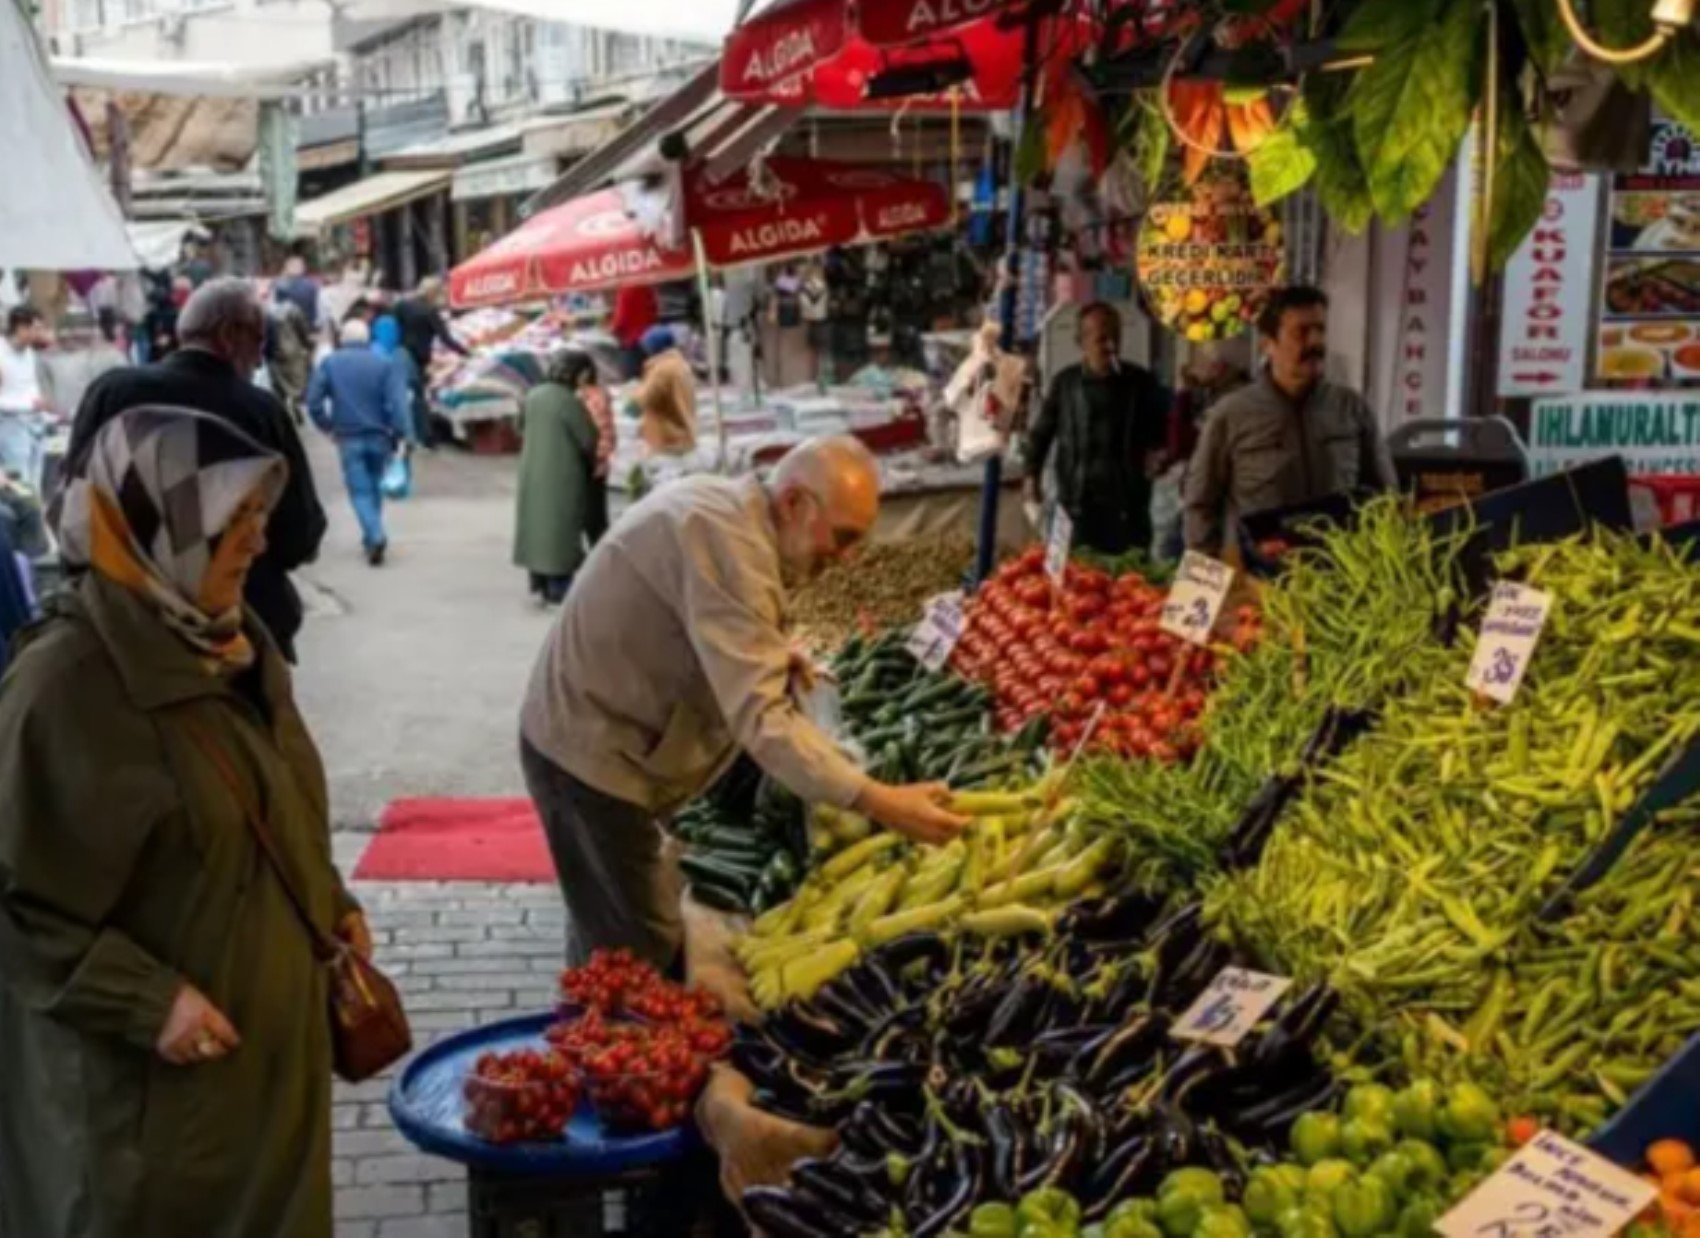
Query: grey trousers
point(621, 886)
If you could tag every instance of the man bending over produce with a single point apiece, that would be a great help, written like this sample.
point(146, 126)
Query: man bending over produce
point(669, 655)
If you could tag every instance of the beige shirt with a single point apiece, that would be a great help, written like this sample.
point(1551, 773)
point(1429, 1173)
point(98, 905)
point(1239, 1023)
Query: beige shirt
point(670, 653)
point(667, 401)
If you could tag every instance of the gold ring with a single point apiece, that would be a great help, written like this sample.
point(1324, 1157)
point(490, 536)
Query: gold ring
point(206, 1046)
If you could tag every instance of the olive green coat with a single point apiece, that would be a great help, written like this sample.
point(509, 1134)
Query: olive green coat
point(127, 868)
point(555, 472)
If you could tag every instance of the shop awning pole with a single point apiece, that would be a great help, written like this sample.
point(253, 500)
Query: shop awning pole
point(711, 330)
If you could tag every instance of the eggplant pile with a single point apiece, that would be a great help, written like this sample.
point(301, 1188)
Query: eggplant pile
point(963, 1071)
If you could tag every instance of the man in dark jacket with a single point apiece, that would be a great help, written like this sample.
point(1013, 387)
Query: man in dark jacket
point(360, 397)
point(221, 331)
point(422, 325)
point(1107, 422)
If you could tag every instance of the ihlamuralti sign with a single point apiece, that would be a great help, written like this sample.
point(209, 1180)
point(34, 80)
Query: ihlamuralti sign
point(1654, 433)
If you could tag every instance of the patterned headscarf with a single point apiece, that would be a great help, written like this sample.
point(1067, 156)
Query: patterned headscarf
point(159, 489)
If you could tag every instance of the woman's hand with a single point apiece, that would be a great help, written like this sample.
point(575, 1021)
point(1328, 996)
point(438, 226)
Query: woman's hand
point(195, 1030)
point(354, 933)
point(918, 811)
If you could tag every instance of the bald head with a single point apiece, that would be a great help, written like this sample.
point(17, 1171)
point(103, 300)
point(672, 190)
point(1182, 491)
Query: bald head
point(224, 317)
point(826, 497)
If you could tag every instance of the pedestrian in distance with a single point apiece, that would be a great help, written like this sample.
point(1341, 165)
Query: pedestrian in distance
point(24, 403)
point(164, 1011)
point(360, 398)
point(557, 471)
point(666, 397)
point(221, 332)
point(423, 327)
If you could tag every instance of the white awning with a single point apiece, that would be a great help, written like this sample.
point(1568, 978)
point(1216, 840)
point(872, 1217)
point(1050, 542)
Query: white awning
point(704, 21)
point(494, 178)
point(159, 243)
point(375, 194)
point(55, 213)
point(186, 77)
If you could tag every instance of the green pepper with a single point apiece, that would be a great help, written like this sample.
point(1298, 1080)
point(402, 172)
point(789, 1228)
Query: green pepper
point(1417, 1217)
point(1469, 1115)
point(1205, 1183)
point(1268, 1193)
point(1326, 1177)
point(1369, 1100)
point(1131, 1224)
point(1048, 1229)
point(1096, 1230)
point(1222, 1221)
point(1143, 1208)
point(1316, 1137)
point(1466, 1158)
point(1293, 1174)
point(1416, 1110)
point(1049, 1206)
point(1428, 1167)
point(1182, 1198)
point(1395, 1169)
point(1305, 1223)
point(1364, 1208)
point(1364, 1139)
point(993, 1221)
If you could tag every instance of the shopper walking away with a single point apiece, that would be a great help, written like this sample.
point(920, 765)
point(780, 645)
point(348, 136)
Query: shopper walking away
point(1289, 437)
point(556, 471)
point(360, 398)
point(669, 656)
point(600, 405)
point(813, 298)
point(422, 327)
point(1106, 422)
point(168, 1054)
point(295, 287)
point(667, 396)
point(635, 311)
point(290, 356)
point(222, 329)
point(23, 397)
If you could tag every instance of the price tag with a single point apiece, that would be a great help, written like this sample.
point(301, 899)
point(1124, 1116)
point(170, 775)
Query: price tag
point(1230, 1006)
point(934, 638)
point(1196, 598)
point(1058, 544)
point(1515, 616)
point(1552, 1188)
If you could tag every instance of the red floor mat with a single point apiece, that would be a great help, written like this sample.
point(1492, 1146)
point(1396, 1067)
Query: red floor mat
point(458, 840)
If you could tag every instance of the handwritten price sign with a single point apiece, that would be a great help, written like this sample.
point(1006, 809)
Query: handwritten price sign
point(1552, 1188)
point(1196, 598)
point(1058, 544)
point(1515, 616)
point(934, 638)
point(1230, 1006)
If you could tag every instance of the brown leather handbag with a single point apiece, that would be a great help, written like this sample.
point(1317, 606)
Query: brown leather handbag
point(369, 1028)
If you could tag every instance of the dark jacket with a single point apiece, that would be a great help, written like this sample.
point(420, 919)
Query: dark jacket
point(1112, 515)
point(301, 292)
point(356, 391)
point(421, 325)
point(196, 379)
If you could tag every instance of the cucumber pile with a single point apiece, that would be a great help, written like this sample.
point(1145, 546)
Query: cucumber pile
point(747, 847)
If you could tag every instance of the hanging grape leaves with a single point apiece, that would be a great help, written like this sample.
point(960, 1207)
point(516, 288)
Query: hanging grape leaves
point(1675, 80)
point(1520, 181)
point(1341, 185)
point(1543, 32)
point(1374, 24)
point(1283, 162)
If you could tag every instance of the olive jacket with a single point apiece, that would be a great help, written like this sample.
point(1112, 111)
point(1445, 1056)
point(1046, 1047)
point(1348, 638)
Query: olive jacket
point(556, 469)
point(126, 869)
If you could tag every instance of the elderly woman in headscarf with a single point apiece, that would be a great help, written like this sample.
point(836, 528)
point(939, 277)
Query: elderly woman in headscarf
point(666, 397)
point(554, 509)
point(168, 1051)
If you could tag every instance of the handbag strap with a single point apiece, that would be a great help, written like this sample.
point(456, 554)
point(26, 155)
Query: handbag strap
point(323, 946)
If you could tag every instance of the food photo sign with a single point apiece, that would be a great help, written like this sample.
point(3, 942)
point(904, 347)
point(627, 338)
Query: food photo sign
point(1207, 262)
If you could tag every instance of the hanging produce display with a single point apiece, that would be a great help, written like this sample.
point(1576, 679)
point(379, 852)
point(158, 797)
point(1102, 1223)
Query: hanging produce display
point(1206, 262)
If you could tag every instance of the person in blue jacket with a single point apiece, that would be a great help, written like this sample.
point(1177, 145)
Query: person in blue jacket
point(360, 398)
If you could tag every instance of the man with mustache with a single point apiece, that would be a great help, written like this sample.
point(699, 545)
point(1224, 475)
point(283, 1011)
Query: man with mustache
point(1289, 437)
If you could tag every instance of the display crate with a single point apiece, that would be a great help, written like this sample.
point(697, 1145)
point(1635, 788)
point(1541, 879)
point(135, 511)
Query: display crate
point(1667, 1106)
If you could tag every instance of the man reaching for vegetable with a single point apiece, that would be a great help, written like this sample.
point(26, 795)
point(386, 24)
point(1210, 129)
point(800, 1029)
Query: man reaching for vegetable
point(669, 655)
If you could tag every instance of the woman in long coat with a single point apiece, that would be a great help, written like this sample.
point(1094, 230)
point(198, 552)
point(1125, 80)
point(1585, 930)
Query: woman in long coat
point(167, 1045)
point(557, 470)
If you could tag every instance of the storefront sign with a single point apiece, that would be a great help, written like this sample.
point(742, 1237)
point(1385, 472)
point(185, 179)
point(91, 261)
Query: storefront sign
point(1515, 616)
point(1230, 1006)
point(1207, 263)
point(1552, 1188)
point(1543, 340)
point(1653, 433)
point(1196, 598)
point(934, 638)
point(1414, 271)
point(1649, 334)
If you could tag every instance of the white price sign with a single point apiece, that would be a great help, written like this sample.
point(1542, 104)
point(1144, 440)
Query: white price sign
point(1552, 1188)
point(934, 638)
point(1230, 1006)
point(1196, 598)
point(1058, 544)
point(1515, 616)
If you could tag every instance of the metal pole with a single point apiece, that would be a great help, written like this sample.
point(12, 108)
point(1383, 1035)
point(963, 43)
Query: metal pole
point(713, 334)
point(991, 485)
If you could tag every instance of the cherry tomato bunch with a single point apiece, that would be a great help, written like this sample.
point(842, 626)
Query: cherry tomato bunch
point(647, 1082)
point(618, 982)
point(520, 1097)
point(1095, 641)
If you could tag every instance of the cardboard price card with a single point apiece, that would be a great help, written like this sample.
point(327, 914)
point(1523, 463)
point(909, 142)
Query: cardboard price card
point(1230, 1006)
point(1058, 544)
point(1552, 1188)
point(1515, 616)
point(1196, 598)
point(934, 638)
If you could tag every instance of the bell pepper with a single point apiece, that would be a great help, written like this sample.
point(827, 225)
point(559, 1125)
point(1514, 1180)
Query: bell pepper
point(1222, 1221)
point(1428, 1167)
point(1182, 1198)
point(1364, 1139)
point(1205, 1183)
point(1395, 1169)
point(1369, 1100)
point(1094, 1230)
point(1143, 1208)
point(1293, 1174)
point(1305, 1222)
point(1267, 1195)
point(1364, 1208)
point(1417, 1217)
point(993, 1221)
point(1326, 1177)
point(1316, 1137)
point(1469, 1115)
point(1416, 1110)
point(1049, 1206)
point(1126, 1223)
point(1466, 1158)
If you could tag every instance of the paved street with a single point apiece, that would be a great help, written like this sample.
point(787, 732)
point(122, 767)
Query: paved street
point(411, 678)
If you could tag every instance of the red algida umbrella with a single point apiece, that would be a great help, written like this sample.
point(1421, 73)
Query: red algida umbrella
point(794, 207)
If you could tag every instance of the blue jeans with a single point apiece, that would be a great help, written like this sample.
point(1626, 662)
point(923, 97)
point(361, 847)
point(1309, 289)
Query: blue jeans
point(20, 448)
point(364, 458)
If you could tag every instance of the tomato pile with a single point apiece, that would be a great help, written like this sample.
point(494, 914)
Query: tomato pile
point(522, 1096)
point(1096, 641)
point(647, 1082)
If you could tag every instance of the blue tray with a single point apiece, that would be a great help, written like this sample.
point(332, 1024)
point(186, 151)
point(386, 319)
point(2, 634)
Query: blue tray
point(425, 1103)
point(1666, 1107)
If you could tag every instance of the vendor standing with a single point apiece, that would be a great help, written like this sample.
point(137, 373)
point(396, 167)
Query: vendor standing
point(669, 655)
point(1107, 422)
point(1290, 437)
